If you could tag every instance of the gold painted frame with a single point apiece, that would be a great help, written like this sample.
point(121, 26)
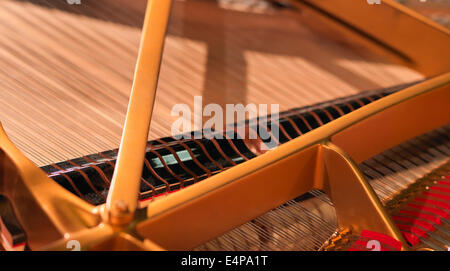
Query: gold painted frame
point(324, 159)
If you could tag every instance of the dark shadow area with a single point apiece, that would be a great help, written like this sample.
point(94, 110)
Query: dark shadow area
point(228, 34)
point(125, 12)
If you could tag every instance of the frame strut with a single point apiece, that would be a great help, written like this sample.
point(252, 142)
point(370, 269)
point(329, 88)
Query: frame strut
point(397, 27)
point(123, 194)
point(208, 208)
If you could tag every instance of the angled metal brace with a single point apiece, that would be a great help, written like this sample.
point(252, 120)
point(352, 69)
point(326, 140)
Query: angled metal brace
point(62, 216)
point(209, 208)
point(323, 166)
point(38, 200)
point(234, 197)
point(123, 194)
point(423, 42)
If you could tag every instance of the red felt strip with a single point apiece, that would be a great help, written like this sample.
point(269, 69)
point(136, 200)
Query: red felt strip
point(436, 195)
point(440, 189)
point(383, 238)
point(416, 222)
point(433, 210)
point(413, 229)
point(431, 206)
point(423, 215)
point(411, 238)
point(434, 202)
point(361, 245)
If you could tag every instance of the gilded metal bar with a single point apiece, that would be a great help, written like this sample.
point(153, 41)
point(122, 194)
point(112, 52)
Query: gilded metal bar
point(322, 166)
point(125, 241)
point(62, 216)
point(357, 205)
point(208, 209)
point(415, 112)
point(424, 42)
point(123, 194)
point(39, 201)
